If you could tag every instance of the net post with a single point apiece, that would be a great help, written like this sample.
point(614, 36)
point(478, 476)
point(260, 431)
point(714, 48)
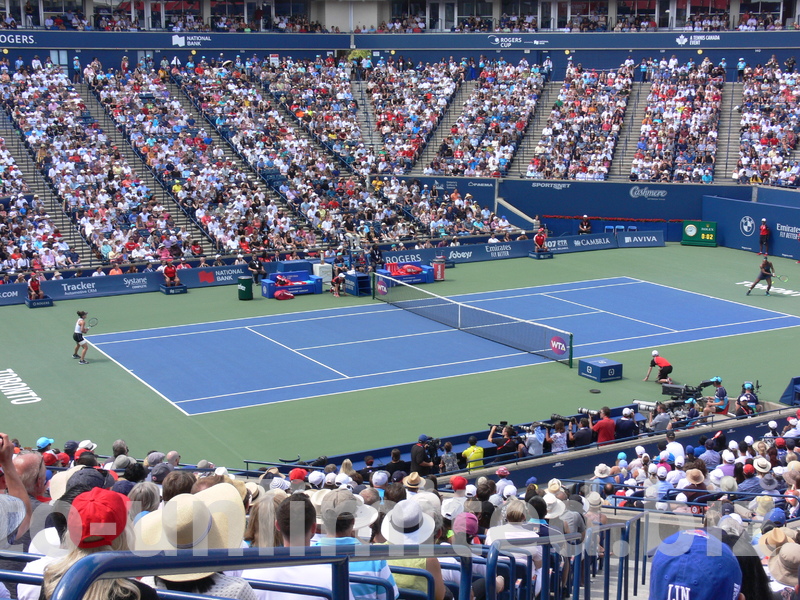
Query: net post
point(570, 351)
point(374, 282)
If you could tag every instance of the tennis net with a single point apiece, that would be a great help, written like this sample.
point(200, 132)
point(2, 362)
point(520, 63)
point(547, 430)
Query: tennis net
point(528, 336)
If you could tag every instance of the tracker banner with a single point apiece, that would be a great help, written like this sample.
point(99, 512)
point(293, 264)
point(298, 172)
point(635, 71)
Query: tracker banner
point(114, 285)
point(640, 239)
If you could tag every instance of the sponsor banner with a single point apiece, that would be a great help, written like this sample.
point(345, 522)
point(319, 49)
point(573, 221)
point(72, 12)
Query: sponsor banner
point(581, 243)
point(463, 254)
point(603, 200)
point(14, 293)
point(114, 285)
point(640, 239)
point(738, 225)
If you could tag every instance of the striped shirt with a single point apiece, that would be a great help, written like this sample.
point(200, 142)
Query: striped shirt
point(374, 568)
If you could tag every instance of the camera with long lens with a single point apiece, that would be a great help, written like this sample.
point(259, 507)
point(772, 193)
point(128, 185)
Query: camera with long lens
point(432, 448)
point(557, 417)
point(589, 412)
point(532, 427)
point(500, 425)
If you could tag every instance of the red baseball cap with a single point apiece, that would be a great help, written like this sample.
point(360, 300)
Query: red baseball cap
point(298, 474)
point(458, 483)
point(780, 442)
point(749, 470)
point(97, 518)
point(49, 458)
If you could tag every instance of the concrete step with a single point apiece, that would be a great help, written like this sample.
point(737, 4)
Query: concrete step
point(443, 129)
point(137, 164)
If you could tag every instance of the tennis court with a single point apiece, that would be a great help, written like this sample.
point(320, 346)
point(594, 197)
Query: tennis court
point(279, 358)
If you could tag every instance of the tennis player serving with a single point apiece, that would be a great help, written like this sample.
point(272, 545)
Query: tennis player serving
point(765, 274)
point(81, 327)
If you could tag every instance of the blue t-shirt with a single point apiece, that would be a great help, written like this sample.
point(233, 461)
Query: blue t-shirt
point(722, 396)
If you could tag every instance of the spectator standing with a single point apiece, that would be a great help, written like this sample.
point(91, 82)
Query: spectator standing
point(605, 428)
point(763, 238)
point(420, 461)
point(473, 454)
point(626, 426)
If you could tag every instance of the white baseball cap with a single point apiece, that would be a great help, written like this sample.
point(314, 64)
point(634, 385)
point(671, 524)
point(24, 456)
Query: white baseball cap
point(655, 353)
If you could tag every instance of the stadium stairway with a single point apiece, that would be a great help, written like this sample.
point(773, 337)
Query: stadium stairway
point(117, 138)
point(443, 130)
point(629, 136)
point(728, 133)
point(523, 155)
point(38, 185)
point(367, 120)
point(230, 153)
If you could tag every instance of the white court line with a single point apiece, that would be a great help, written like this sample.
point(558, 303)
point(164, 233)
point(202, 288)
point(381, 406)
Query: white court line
point(327, 395)
point(650, 335)
point(391, 337)
point(135, 376)
point(296, 352)
point(716, 337)
point(592, 287)
point(235, 327)
point(614, 314)
point(308, 383)
point(528, 287)
point(736, 302)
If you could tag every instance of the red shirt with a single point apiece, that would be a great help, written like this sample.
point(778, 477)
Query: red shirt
point(170, 271)
point(605, 429)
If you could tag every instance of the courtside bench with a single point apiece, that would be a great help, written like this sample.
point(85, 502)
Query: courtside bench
point(396, 271)
point(302, 283)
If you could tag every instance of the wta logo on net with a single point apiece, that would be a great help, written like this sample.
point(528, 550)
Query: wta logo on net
point(558, 345)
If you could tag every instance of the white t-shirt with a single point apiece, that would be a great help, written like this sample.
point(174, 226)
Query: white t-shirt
point(314, 575)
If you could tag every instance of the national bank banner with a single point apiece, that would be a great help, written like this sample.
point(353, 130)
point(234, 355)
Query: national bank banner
point(738, 225)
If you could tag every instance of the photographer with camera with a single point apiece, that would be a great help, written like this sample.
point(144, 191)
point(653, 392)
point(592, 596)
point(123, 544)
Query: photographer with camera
point(605, 428)
point(506, 444)
point(532, 443)
point(582, 436)
point(626, 427)
point(420, 460)
point(662, 419)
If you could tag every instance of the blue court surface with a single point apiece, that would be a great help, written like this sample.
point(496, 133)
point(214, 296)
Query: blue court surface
point(256, 361)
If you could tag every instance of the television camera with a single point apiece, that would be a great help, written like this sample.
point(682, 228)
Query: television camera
point(684, 392)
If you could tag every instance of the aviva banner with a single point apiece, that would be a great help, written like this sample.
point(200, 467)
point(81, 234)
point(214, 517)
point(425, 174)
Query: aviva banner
point(640, 239)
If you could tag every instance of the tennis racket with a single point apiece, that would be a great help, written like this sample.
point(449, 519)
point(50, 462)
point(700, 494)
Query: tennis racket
point(92, 322)
point(782, 278)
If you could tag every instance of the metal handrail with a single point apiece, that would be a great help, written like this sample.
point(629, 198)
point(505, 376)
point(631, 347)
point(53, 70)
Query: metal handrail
point(109, 565)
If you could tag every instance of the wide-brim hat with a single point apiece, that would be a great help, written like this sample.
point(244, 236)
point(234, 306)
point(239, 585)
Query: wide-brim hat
point(344, 501)
point(776, 537)
point(601, 471)
point(13, 513)
point(413, 481)
point(555, 507)
point(58, 483)
point(784, 563)
point(728, 484)
point(695, 476)
point(211, 519)
point(762, 465)
point(316, 500)
point(554, 486)
point(407, 523)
